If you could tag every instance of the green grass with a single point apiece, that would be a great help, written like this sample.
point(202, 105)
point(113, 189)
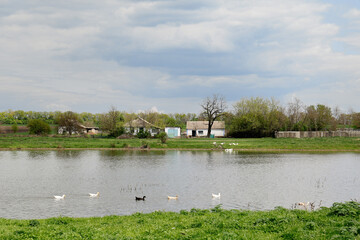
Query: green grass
point(341, 221)
point(251, 144)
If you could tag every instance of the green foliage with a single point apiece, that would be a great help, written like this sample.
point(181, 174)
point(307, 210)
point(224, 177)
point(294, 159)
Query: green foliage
point(163, 137)
point(256, 117)
point(69, 121)
point(351, 209)
point(193, 224)
point(38, 127)
point(14, 128)
point(143, 134)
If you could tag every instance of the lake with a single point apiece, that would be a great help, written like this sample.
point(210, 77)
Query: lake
point(29, 179)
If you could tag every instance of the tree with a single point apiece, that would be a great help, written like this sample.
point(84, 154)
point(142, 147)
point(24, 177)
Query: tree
point(214, 107)
point(38, 127)
point(257, 117)
point(69, 121)
point(112, 122)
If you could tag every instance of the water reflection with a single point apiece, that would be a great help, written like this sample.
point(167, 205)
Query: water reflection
point(247, 181)
point(69, 154)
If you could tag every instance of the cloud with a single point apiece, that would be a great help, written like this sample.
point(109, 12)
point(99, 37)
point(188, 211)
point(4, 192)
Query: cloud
point(89, 55)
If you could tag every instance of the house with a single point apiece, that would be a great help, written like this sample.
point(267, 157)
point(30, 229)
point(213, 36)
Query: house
point(173, 132)
point(141, 124)
point(200, 128)
point(89, 130)
point(81, 129)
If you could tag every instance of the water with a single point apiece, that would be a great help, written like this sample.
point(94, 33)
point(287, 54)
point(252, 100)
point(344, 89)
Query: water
point(29, 179)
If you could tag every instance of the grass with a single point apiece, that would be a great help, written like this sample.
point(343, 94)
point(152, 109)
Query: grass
point(341, 221)
point(251, 144)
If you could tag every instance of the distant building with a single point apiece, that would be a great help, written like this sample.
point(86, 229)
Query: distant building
point(81, 129)
point(200, 128)
point(141, 124)
point(173, 132)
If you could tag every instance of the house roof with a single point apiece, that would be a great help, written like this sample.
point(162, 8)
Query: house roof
point(204, 125)
point(140, 123)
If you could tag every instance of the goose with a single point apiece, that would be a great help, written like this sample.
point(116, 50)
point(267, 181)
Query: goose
point(59, 197)
point(215, 195)
point(140, 198)
point(94, 194)
point(229, 150)
point(173, 198)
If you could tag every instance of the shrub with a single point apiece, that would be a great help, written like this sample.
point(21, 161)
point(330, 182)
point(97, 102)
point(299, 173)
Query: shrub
point(163, 137)
point(351, 208)
point(143, 134)
point(14, 128)
point(38, 127)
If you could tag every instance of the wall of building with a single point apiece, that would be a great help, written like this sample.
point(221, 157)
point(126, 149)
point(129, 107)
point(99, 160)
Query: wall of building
point(203, 132)
point(309, 134)
point(173, 132)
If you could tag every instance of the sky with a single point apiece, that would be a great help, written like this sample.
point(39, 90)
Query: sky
point(167, 56)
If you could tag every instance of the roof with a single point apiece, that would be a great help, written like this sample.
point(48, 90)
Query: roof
point(204, 125)
point(141, 123)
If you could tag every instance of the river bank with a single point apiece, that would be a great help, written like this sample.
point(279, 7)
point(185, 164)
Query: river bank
point(331, 144)
point(341, 221)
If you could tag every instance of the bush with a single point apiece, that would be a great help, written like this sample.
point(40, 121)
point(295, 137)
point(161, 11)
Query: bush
point(38, 127)
point(143, 134)
point(351, 208)
point(14, 128)
point(118, 131)
point(163, 137)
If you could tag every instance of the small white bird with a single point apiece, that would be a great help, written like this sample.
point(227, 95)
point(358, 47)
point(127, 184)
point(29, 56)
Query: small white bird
point(214, 143)
point(229, 150)
point(173, 198)
point(94, 194)
point(59, 197)
point(215, 195)
point(305, 205)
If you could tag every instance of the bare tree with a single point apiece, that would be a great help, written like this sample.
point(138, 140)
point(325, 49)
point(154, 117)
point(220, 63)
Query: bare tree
point(214, 107)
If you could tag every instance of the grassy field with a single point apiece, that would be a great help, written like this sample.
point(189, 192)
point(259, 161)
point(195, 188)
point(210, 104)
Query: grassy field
point(252, 144)
point(341, 221)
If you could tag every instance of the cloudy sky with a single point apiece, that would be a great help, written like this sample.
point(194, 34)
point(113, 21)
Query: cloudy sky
point(88, 55)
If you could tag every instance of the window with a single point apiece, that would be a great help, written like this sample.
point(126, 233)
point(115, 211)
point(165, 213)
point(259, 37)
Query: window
point(201, 132)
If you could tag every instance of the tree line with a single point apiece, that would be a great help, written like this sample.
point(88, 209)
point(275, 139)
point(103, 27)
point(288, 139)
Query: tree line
point(248, 117)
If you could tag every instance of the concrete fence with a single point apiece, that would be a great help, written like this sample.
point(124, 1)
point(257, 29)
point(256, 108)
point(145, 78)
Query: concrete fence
point(310, 134)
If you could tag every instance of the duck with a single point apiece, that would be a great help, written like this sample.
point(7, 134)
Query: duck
point(215, 195)
point(94, 194)
point(59, 197)
point(173, 198)
point(140, 198)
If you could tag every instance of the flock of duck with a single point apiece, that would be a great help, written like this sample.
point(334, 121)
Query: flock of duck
point(93, 195)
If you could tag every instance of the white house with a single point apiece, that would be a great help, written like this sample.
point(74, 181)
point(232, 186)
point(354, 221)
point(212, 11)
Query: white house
point(200, 128)
point(173, 132)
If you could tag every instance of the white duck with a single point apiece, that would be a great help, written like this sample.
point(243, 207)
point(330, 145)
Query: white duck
point(94, 194)
point(215, 195)
point(173, 198)
point(59, 197)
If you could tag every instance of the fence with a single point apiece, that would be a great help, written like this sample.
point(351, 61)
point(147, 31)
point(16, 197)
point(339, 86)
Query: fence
point(310, 134)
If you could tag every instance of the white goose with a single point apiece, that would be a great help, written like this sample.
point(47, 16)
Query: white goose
point(94, 194)
point(215, 195)
point(59, 197)
point(173, 198)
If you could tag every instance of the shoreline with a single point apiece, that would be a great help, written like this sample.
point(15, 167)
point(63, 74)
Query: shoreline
point(185, 149)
